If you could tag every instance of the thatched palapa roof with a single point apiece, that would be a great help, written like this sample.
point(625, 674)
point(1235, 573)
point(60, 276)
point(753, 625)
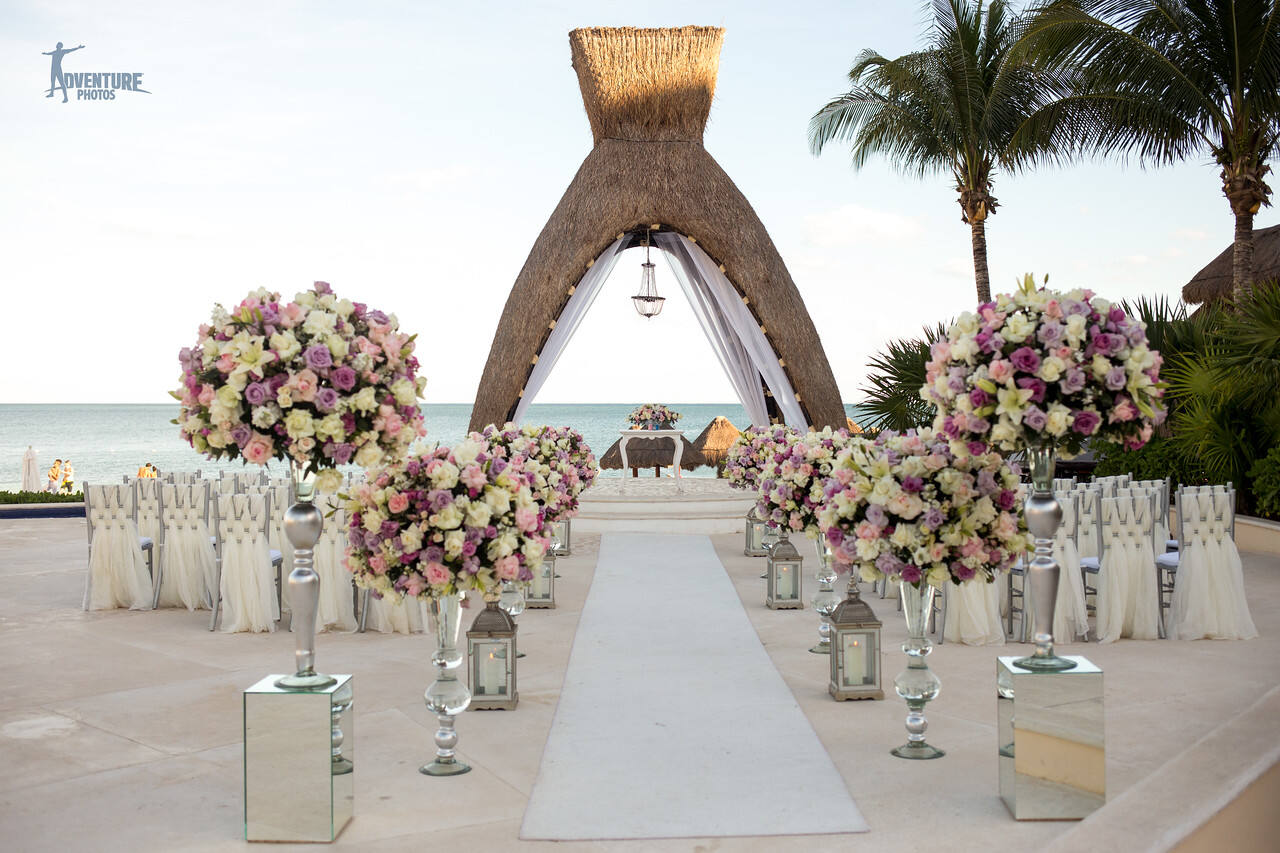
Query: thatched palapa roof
point(647, 95)
point(1215, 280)
point(714, 441)
point(652, 453)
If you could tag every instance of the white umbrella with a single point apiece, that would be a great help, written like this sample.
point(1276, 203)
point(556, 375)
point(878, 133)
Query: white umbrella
point(30, 471)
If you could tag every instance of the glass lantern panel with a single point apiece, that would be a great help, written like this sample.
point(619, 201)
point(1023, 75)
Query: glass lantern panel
point(490, 669)
point(857, 650)
point(786, 580)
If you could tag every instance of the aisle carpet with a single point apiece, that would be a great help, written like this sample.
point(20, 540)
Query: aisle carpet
point(673, 722)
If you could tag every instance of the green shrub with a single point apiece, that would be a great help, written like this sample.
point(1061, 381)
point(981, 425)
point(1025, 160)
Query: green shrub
point(39, 498)
point(1156, 460)
point(1264, 477)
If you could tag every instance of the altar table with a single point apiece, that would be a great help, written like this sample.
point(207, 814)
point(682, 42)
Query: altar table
point(628, 434)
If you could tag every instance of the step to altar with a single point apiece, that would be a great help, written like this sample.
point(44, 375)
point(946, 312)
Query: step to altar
point(662, 505)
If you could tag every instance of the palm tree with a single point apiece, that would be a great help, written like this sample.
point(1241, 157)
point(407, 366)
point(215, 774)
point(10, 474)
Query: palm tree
point(893, 398)
point(1164, 80)
point(954, 106)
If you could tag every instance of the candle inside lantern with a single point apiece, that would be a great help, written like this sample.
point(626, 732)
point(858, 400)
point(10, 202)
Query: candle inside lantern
point(786, 583)
point(855, 659)
point(493, 671)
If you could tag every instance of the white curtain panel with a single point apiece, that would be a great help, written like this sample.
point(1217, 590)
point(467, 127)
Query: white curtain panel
point(705, 275)
point(579, 304)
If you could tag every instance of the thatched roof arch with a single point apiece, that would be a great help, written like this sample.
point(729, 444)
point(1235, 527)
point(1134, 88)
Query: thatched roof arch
point(1215, 281)
point(647, 94)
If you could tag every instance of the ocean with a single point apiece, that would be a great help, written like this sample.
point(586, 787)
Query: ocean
point(106, 442)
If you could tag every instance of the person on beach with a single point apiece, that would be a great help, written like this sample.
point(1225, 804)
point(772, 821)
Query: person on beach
point(55, 476)
point(68, 479)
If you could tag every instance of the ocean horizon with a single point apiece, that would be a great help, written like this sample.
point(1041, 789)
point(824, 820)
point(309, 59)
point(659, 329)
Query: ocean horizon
point(106, 441)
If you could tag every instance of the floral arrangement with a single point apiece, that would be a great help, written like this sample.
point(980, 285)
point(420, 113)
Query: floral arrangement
point(751, 450)
point(791, 482)
point(653, 416)
point(319, 381)
point(557, 458)
point(454, 519)
point(905, 506)
point(1041, 365)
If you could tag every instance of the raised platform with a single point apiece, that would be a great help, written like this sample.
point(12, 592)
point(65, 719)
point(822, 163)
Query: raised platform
point(654, 505)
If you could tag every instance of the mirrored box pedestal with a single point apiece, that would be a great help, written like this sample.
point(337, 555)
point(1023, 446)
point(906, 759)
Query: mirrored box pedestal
point(1053, 760)
point(299, 779)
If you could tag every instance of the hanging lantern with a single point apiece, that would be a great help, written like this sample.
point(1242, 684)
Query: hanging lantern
point(648, 303)
point(491, 660)
point(784, 584)
point(855, 649)
point(541, 592)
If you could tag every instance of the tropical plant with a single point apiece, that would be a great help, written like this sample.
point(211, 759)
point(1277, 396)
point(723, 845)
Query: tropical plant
point(893, 398)
point(954, 106)
point(1226, 408)
point(1264, 479)
point(1165, 80)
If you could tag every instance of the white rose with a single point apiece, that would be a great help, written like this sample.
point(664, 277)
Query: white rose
point(453, 542)
point(1076, 325)
point(405, 393)
point(1059, 420)
point(368, 456)
point(1051, 369)
point(285, 345)
point(1017, 328)
point(445, 476)
point(364, 400)
point(499, 500)
point(329, 481)
point(319, 324)
point(465, 452)
point(478, 514)
point(449, 517)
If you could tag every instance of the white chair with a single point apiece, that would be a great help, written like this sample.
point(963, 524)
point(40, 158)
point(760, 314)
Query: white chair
point(146, 515)
point(1063, 484)
point(1128, 597)
point(337, 605)
point(281, 497)
point(182, 478)
point(1071, 618)
point(246, 565)
point(1208, 590)
point(190, 559)
point(117, 572)
point(970, 614)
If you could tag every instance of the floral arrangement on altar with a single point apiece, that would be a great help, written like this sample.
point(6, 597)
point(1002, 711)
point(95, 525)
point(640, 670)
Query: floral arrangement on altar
point(1039, 365)
point(653, 416)
point(454, 519)
point(557, 458)
point(751, 450)
point(319, 382)
point(905, 506)
point(791, 482)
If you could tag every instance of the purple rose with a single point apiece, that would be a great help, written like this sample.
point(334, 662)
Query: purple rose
point(1036, 386)
point(1073, 306)
point(834, 536)
point(1025, 359)
point(355, 536)
point(962, 572)
point(275, 383)
point(1035, 418)
point(1007, 499)
point(1136, 335)
point(1116, 315)
point(322, 287)
point(433, 554)
point(977, 448)
point(875, 515)
point(377, 317)
point(933, 518)
point(1072, 381)
point(326, 399)
point(977, 424)
point(1086, 422)
point(911, 574)
point(342, 453)
point(1051, 333)
point(979, 398)
point(241, 433)
point(318, 357)
point(912, 484)
point(270, 316)
point(344, 378)
point(888, 564)
point(255, 393)
point(986, 482)
point(1116, 378)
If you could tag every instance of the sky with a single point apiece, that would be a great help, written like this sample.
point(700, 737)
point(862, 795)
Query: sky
point(409, 153)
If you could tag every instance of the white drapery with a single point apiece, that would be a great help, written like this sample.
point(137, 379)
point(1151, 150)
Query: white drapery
point(736, 338)
point(30, 472)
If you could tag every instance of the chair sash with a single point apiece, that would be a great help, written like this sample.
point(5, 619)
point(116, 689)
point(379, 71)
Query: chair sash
point(337, 607)
point(117, 569)
point(1208, 598)
point(973, 613)
point(190, 559)
point(1128, 603)
point(248, 579)
point(1071, 618)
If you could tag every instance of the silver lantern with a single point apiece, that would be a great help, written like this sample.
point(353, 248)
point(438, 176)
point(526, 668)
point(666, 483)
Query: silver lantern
point(855, 649)
point(784, 585)
point(491, 660)
point(541, 591)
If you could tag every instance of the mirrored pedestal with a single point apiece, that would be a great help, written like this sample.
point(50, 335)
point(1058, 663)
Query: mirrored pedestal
point(299, 749)
point(1053, 761)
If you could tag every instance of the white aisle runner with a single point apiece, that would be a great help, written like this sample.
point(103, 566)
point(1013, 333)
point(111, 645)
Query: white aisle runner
point(673, 722)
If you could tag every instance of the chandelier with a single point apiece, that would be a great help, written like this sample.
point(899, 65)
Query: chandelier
point(648, 303)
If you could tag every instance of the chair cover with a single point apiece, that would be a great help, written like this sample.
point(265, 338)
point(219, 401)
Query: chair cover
point(337, 608)
point(973, 613)
point(190, 567)
point(1128, 604)
point(390, 617)
point(1208, 597)
point(248, 578)
point(117, 570)
point(1071, 618)
point(281, 492)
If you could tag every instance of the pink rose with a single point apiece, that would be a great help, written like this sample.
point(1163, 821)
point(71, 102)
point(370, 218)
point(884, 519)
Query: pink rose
point(291, 315)
point(398, 502)
point(1000, 370)
point(377, 564)
point(415, 585)
point(1124, 410)
point(226, 363)
point(507, 568)
point(205, 397)
point(526, 519)
point(259, 449)
point(303, 384)
point(437, 574)
point(473, 477)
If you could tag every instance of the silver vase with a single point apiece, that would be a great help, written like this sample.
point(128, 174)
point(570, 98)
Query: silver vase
point(825, 600)
point(1044, 514)
point(446, 697)
point(303, 522)
point(917, 684)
